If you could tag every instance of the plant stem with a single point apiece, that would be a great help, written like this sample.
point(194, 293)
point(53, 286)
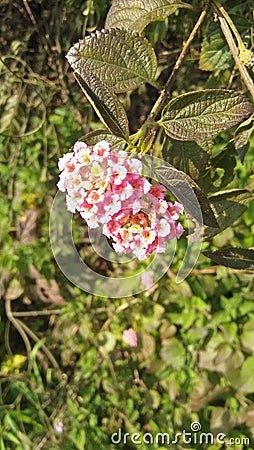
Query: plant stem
point(165, 93)
point(232, 45)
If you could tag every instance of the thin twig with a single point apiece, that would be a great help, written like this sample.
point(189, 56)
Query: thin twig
point(17, 325)
point(165, 93)
point(36, 313)
point(234, 50)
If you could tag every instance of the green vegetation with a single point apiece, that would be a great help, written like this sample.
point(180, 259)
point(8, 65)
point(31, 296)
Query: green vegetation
point(67, 379)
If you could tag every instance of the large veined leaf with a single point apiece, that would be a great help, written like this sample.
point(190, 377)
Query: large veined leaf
point(135, 15)
point(188, 193)
point(120, 58)
point(202, 114)
point(237, 258)
point(109, 109)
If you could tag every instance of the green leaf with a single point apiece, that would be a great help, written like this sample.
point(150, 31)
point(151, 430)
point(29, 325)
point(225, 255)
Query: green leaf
point(215, 53)
point(242, 137)
point(121, 59)
point(93, 137)
point(247, 376)
point(229, 206)
point(172, 351)
point(135, 15)
point(247, 337)
point(223, 166)
point(187, 156)
point(188, 193)
point(238, 258)
point(203, 114)
point(109, 109)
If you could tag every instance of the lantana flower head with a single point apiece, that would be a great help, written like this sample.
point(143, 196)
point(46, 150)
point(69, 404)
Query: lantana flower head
point(107, 188)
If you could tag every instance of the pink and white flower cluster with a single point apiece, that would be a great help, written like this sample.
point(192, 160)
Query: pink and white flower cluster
point(107, 188)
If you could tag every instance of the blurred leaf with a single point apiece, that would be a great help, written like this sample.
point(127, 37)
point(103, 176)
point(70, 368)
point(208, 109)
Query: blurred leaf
point(121, 59)
point(107, 341)
point(14, 290)
point(230, 331)
point(203, 114)
point(78, 437)
point(109, 109)
point(188, 193)
point(247, 336)
point(136, 15)
point(237, 258)
point(172, 351)
point(221, 419)
point(204, 393)
point(187, 156)
point(224, 351)
point(242, 137)
point(246, 384)
point(148, 346)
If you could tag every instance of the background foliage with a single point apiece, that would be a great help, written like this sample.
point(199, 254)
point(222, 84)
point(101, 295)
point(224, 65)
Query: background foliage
point(68, 380)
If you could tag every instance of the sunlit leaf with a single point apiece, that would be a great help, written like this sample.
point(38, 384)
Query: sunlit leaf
point(106, 104)
point(203, 114)
point(237, 258)
point(136, 14)
point(121, 59)
point(187, 191)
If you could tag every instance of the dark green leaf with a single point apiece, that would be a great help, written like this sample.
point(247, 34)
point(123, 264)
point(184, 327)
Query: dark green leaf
point(203, 114)
point(135, 15)
point(100, 135)
point(242, 137)
point(106, 104)
point(187, 156)
point(238, 258)
point(121, 59)
point(188, 193)
point(229, 206)
point(223, 166)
